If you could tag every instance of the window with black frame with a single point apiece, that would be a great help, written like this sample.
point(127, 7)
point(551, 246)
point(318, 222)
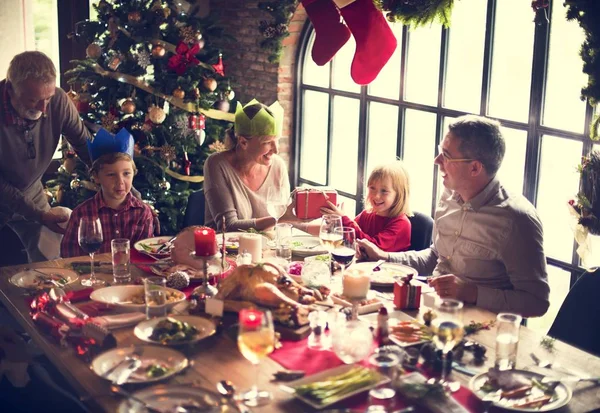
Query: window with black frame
point(494, 60)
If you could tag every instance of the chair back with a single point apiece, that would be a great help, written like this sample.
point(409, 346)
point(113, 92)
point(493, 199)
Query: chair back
point(579, 316)
point(194, 211)
point(421, 231)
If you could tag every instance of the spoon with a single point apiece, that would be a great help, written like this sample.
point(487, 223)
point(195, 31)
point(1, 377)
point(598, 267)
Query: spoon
point(122, 392)
point(227, 390)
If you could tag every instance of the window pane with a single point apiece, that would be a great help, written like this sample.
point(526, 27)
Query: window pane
point(465, 56)
point(563, 109)
point(423, 65)
point(341, 68)
point(387, 83)
point(344, 151)
point(511, 61)
point(382, 136)
point(313, 74)
point(559, 287)
point(559, 180)
point(45, 24)
point(440, 182)
point(512, 171)
point(348, 205)
point(313, 155)
point(419, 151)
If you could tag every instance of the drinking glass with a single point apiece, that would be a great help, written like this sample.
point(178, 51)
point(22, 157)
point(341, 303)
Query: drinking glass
point(344, 252)
point(507, 340)
point(277, 203)
point(155, 295)
point(329, 238)
point(256, 340)
point(120, 251)
point(352, 340)
point(90, 240)
point(283, 234)
point(448, 330)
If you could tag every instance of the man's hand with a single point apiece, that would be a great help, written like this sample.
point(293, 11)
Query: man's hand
point(51, 219)
point(367, 250)
point(332, 210)
point(450, 286)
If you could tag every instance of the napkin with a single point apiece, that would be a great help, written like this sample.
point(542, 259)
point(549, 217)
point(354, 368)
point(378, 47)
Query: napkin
point(49, 241)
point(119, 320)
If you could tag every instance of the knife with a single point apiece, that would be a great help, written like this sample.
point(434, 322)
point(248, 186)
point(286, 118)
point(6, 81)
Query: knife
point(127, 371)
point(570, 379)
point(463, 369)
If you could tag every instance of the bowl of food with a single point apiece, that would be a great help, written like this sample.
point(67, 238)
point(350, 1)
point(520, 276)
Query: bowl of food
point(129, 298)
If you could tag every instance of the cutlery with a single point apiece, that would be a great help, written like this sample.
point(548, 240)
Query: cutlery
point(547, 364)
point(377, 265)
point(135, 355)
point(126, 372)
point(227, 390)
point(47, 279)
point(48, 276)
point(119, 390)
point(570, 379)
point(463, 369)
point(166, 245)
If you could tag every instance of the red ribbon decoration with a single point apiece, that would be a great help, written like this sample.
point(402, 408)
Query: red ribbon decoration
point(187, 164)
point(184, 58)
point(219, 68)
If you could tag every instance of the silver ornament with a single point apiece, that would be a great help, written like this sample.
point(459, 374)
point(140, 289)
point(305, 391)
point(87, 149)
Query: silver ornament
point(143, 58)
point(200, 136)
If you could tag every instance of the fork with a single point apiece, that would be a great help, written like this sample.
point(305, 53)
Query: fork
point(135, 354)
point(167, 244)
point(47, 276)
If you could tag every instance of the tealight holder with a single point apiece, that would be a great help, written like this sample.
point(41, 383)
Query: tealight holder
point(205, 290)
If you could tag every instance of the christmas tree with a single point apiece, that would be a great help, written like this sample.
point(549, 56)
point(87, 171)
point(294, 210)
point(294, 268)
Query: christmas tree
point(153, 67)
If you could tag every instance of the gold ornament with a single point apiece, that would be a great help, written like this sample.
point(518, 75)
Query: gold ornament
point(167, 152)
point(69, 163)
point(165, 185)
point(75, 184)
point(109, 122)
point(93, 51)
point(179, 93)
point(158, 51)
point(157, 115)
point(128, 106)
point(166, 12)
point(134, 16)
point(210, 84)
point(188, 34)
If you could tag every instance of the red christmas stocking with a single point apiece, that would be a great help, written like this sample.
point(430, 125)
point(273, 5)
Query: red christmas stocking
point(331, 34)
point(375, 41)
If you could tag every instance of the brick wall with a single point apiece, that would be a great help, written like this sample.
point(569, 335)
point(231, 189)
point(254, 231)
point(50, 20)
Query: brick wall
point(248, 64)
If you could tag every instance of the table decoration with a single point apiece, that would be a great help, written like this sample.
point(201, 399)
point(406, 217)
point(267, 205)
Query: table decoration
point(356, 285)
point(205, 250)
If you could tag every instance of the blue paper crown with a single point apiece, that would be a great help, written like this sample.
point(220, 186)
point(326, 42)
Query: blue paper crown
point(104, 142)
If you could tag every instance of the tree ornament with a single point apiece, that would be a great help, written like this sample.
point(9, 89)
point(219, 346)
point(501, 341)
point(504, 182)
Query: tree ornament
point(164, 185)
point(70, 162)
point(179, 93)
point(115, 62)
point(188, 34)
point(157, 115)
point(200, 42)
point(219, 66)
point(158, 51)
point(222, 105)
point(200, 136)
point(60, 193)
point(167, 152)
point(178, 280)
point(230, 94)
point(72, 95)
point(109, 122)
point(196, 121)
point(75, 184)
point(166, 12)
point(143, 58)
point(93, 51)
point(187, 164)
point(210, 84)
point(134, 17)
point(185, 57)
point(128, 106)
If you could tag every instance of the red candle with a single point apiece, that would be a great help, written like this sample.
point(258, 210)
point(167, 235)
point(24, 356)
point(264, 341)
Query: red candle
point(206, 242)
point(250, 318)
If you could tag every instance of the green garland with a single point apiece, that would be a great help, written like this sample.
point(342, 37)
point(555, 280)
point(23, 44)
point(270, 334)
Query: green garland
point(417, 13)
point(588, 198)
point(587, 14)
point(275, 30)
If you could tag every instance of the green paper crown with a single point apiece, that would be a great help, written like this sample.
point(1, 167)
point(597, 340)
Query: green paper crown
point(262, 123)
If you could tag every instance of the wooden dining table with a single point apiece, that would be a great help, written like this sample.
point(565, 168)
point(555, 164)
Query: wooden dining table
point(218, 357)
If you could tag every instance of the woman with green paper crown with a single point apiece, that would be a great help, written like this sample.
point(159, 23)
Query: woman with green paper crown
point(238, 181)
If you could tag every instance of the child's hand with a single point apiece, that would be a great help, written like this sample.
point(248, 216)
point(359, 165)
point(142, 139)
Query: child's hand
point(332, 210)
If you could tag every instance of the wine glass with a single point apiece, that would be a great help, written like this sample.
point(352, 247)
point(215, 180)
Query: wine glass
point(329, 239)
point(448, 330)
point(256, 340)
point(90, 240)
point(277, 203)
point(344, 252)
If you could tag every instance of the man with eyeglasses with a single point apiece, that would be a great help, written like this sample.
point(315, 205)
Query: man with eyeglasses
point(34, 113)
point(488, 243)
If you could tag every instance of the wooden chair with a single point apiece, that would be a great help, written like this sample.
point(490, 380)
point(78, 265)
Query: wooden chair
point(194, 211)
point(579, 316)
point(421, 231)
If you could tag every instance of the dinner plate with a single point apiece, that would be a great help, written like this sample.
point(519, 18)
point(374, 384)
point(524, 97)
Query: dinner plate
point(397, 340)
point(563, 393)
point(325, 375)
point(31, 279)
point(388, 272)
point(305, 246)
point(166, 398)
point(121, 297)
point(232, 241)
point(205, 327)
point(172, 360)
point(150, 246)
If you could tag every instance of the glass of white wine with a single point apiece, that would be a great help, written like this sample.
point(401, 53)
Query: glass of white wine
point(330, 238)
point(277, 203)
point(256, 340)
point(448, 331)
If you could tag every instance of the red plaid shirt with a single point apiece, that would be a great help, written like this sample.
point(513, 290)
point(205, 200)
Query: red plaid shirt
point(134, 221)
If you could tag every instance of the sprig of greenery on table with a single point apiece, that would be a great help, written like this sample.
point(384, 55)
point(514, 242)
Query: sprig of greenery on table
point(473, 327)
point(547, 343)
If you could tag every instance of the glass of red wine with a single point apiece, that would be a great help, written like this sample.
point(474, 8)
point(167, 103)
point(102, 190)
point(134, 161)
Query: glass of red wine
point(344, 251)
point(90, 240)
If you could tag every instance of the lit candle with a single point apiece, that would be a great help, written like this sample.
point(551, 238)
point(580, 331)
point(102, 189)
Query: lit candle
point(356, 284)
point(252, 244)
point(205, 242)
point(250, 318)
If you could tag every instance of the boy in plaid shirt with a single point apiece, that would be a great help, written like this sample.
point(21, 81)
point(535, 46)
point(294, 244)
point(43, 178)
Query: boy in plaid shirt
point(121, 214)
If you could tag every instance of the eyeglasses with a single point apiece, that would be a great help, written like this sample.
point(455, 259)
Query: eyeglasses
point(446, 158)
point(31, 152)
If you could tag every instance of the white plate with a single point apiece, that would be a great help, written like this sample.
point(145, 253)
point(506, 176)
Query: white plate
point(393, 322)
point(232, 240)
point(120, 297)
point(166, 398)
point(206, 328)
point(154, 244)
point(563, 393)
point(388, 272)
point(171, 359)
point(29, 278)
point(324, 375)
point(305, 246)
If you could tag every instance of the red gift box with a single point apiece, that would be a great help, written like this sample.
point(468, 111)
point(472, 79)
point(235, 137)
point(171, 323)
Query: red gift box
point(309, 201)
point(407, 295)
